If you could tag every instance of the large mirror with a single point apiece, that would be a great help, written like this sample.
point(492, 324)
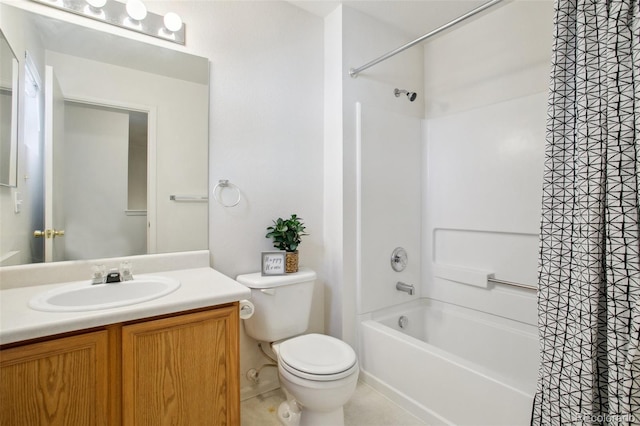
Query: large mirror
point(117, 132)
point(8, 113)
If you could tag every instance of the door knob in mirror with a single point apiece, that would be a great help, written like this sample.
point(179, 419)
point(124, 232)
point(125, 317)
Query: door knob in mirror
point(48, 233)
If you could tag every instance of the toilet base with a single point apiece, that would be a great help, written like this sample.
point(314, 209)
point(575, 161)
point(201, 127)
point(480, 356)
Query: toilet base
point(290, 415)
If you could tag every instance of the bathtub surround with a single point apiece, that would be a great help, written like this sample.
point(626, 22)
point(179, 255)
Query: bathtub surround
point(483, 156)
point(380, 147)
point(481, 141)
point(486, 161)
point(589, 259)
point(389, 147)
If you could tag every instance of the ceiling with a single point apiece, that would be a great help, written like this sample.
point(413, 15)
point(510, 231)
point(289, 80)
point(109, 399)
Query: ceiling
point(415, 17)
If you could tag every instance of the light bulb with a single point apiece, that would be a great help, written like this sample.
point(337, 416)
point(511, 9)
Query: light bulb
point(136, 10)
point(172, 22)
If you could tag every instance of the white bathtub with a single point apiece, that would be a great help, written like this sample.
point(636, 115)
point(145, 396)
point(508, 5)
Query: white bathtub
point(451, 365)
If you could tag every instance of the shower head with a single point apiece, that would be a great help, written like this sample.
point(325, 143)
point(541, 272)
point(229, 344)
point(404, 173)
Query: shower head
point(411, 95)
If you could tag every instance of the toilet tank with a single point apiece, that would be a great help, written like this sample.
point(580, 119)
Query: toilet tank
point(282, 304)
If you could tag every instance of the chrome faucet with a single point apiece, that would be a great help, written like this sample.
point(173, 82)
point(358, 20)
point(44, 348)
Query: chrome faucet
point(408, 288)
point(113, 277)
point(101, 276)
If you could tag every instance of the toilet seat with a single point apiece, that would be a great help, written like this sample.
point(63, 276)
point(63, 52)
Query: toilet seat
point(317, 357)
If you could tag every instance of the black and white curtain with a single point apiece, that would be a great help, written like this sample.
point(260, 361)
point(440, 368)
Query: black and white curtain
point(589, 270)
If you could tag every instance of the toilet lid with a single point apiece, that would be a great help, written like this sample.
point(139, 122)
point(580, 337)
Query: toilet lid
point(317, 355)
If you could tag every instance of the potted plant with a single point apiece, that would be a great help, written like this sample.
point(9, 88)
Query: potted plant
point(286, 234)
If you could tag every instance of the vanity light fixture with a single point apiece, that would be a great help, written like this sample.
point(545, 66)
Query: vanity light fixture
point(172, 24)
point(94, 8)
point(132, 15)
point(136, 10)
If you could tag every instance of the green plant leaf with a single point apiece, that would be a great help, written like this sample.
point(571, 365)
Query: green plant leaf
point(287, 233)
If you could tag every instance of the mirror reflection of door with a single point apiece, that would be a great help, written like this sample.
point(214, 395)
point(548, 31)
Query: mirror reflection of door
point(54, 218)
point(105, 181)
point(99, 175)
point(33, 136)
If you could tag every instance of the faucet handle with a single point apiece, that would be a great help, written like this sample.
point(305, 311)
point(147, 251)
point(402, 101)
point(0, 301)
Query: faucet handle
point(125, 271)
point(99, 274)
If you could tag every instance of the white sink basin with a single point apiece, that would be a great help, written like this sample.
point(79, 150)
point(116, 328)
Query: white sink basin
point(83, 296)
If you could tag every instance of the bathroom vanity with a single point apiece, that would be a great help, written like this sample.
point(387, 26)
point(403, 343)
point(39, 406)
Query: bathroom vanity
point(172, 360)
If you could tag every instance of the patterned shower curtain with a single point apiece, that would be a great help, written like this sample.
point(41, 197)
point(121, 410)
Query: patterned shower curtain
point(589, 266)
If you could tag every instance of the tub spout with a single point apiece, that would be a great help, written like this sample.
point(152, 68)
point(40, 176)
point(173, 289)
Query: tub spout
point(400, 286)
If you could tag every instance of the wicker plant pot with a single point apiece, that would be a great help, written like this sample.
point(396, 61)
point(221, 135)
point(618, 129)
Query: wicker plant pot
point(291, 262)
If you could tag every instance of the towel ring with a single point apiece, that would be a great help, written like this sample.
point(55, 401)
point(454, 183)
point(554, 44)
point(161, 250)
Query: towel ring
point(224, 183)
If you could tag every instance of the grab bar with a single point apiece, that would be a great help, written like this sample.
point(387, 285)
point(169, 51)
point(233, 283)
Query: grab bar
point(511, 283)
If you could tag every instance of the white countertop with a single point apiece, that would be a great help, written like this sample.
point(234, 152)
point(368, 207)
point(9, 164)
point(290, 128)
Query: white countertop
point(200, 287)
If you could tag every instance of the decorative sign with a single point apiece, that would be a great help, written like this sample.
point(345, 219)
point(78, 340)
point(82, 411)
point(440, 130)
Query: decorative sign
point(273, 262)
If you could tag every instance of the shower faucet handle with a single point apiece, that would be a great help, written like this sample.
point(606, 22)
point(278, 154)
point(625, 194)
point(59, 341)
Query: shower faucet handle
point(399, 259)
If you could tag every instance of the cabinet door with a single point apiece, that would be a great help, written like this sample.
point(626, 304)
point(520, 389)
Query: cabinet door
point(182, 370)
point(59, 382)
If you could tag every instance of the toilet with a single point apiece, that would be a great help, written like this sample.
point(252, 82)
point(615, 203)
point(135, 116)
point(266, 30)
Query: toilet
point(318, 373)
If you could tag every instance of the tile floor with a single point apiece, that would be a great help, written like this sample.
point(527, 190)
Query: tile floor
point(367, 407)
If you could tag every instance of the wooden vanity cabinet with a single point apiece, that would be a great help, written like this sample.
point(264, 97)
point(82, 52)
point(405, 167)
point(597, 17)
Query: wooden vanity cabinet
point(173, 370)
point(182, 370)
point(58, 382)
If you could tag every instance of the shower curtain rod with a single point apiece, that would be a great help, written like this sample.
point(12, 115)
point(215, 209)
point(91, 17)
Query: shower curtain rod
point(353, 72)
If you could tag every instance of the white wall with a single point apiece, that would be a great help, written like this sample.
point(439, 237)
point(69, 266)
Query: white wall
point(265, 122)
point(486, 85)
point(266, 136)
